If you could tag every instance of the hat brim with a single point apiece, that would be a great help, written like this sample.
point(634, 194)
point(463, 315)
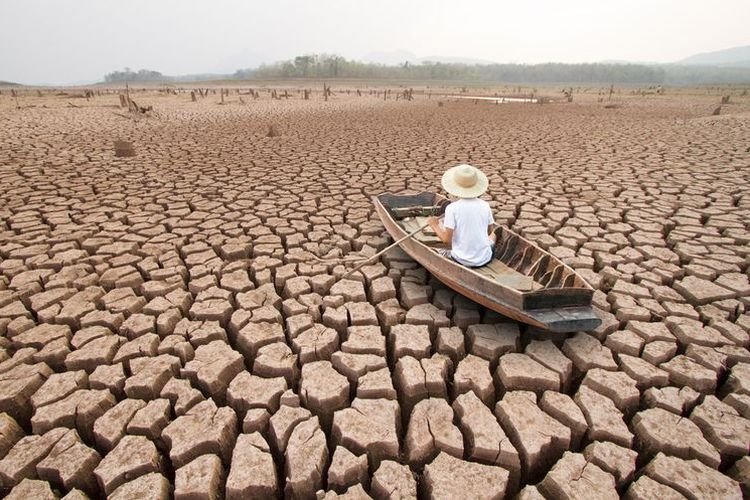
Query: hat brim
point(478, 189)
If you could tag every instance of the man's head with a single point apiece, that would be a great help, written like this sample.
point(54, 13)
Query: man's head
point(465, 181)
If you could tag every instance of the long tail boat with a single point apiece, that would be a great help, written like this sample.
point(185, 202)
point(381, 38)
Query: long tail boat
point(522, 281)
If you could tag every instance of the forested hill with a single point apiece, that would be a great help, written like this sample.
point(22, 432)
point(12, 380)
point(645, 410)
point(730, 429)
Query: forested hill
point(334, 67)
point(338, 67)
point(735, 57)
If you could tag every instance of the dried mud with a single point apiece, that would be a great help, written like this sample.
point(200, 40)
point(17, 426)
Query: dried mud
point(165, 331)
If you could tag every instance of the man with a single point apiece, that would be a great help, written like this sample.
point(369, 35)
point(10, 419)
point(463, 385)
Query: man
point(468, 222)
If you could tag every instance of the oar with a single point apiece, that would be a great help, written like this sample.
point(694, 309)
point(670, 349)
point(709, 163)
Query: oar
point(369, 259)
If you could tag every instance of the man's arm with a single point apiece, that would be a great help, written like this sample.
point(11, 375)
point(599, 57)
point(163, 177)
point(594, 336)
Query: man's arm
point(490, 221)
point(445, 234)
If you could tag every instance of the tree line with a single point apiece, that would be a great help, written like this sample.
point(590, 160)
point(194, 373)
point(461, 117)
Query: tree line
point(326, 66)
point(128, 75)
point(332, 66)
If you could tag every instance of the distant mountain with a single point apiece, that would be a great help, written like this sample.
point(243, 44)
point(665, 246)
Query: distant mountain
point(398, 57)
point(391, 58)
point(624, 62)
point(9, 84)
point(735, 57)
point(455, 60)
point(738, 57)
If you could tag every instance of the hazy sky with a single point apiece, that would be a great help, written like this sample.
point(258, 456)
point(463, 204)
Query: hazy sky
point(81, 40)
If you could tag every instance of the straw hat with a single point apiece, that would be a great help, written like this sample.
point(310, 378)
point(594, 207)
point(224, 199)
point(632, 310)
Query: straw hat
point(465, 181)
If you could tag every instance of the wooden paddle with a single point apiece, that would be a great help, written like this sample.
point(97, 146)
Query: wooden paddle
point(369, 259)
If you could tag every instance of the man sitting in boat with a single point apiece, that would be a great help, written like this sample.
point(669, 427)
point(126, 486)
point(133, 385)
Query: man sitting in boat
point(468, 221)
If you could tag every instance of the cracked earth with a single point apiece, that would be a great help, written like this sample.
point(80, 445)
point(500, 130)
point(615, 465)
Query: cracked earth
point(165, 330)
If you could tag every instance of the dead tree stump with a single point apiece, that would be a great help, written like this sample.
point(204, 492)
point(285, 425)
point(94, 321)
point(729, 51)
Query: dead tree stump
point(132, 106)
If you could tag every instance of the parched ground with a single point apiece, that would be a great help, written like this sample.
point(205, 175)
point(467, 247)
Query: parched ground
point(166, 331)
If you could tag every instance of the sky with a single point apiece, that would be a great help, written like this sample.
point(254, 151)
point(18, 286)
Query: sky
point(79, 41)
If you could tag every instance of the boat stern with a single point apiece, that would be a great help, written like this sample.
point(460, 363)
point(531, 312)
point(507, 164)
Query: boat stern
point(566, 319)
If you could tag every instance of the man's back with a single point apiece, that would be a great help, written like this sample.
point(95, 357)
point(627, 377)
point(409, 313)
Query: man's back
point(469, 218)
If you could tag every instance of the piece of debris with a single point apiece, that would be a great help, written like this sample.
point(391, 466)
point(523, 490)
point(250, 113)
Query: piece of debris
point(124, 149)
point(273, 132)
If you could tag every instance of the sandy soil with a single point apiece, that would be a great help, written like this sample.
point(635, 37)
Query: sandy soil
point(164, 330)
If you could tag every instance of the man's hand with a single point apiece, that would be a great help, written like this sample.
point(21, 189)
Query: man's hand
point(445, 235)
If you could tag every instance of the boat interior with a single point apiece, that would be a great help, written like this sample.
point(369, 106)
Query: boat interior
point(518, 264)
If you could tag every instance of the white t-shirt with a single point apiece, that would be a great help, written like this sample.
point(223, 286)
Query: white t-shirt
point(469, 218)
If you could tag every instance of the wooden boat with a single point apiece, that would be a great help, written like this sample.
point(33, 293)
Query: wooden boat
point(523, 281)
